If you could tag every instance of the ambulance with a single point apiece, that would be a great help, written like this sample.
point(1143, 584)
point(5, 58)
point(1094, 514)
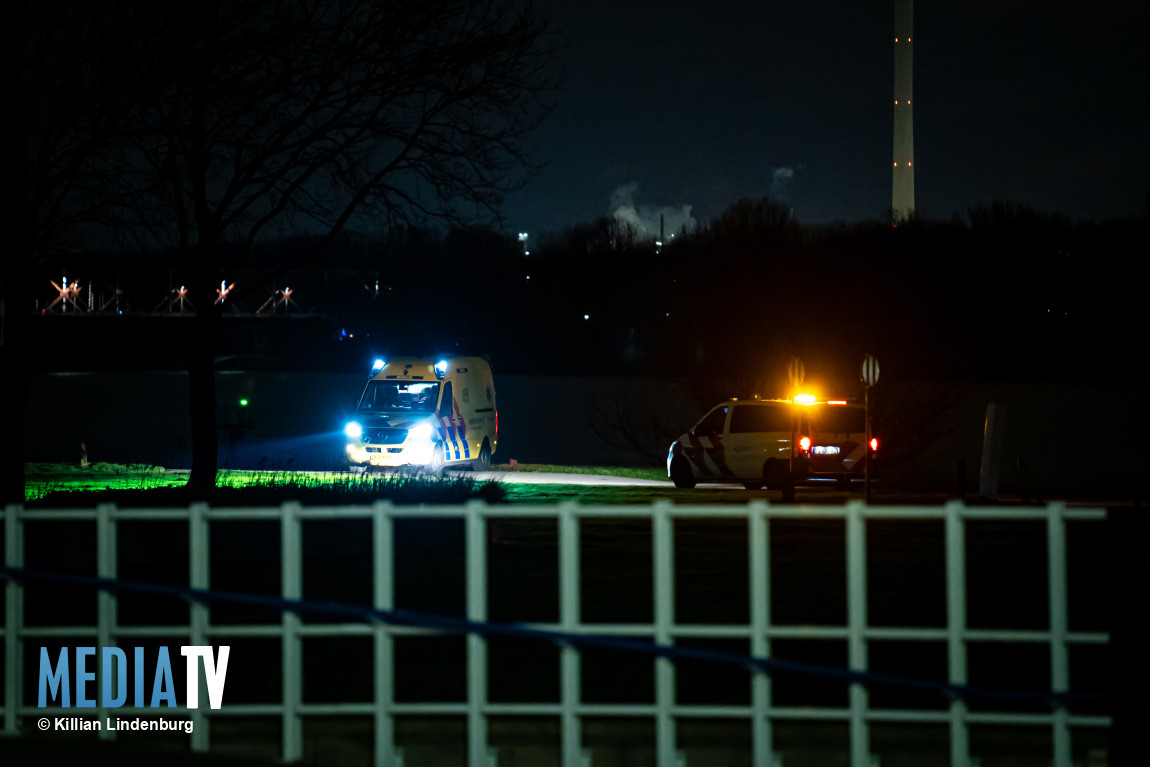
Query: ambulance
point(425, 412)
point(777, 443)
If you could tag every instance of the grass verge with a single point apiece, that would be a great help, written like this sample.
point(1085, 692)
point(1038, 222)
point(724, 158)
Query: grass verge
point(55, 485)
point(598, 471)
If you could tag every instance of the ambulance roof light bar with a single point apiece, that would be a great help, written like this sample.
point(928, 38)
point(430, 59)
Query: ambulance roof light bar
point(378, 366)
point(441, 369)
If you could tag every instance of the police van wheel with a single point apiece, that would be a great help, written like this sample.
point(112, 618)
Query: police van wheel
point(788, 488)
point(773, 472)
point(681, 474)
point(483, 462)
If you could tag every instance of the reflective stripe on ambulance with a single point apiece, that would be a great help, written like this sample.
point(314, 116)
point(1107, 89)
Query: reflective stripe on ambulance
point(454, 431)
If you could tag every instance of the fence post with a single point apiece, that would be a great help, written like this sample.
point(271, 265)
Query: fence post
point(758, 535)
point(13, 616)
point(291, 587)
point(1059, 652)
point(199, 565)
point(383, 590)
point(663, 541)
point(106, 599)
point(856, 629)
point(569, 573)
point(476, 541)
point(956, 628)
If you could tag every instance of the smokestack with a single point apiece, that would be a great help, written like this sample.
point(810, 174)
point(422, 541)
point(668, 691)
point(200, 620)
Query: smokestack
point(902, 181)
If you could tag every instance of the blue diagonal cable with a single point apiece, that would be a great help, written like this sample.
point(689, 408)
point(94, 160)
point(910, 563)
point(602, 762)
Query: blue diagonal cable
point(446, 624)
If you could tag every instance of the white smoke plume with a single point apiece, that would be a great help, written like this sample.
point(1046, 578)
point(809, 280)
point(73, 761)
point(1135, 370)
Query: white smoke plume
point(781, 182)
point(645, 218)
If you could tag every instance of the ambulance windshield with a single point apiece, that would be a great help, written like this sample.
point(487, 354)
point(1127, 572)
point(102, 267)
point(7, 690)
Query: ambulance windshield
point(399, 397)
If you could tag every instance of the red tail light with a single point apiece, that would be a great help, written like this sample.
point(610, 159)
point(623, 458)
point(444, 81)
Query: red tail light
point(497, 424)
point(874, 444)
point(804, 444)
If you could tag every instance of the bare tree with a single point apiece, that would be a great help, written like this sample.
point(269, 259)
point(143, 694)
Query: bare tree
point(74, 79)
point(325, 114)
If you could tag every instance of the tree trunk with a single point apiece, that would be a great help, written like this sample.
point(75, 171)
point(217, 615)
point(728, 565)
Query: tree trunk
point(202, 391)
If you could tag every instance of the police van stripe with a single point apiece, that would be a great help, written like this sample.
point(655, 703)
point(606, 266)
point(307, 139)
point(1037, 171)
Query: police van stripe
point(695, 455)
point(719, 456)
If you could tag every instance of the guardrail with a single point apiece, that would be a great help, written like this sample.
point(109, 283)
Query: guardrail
point(383, 624)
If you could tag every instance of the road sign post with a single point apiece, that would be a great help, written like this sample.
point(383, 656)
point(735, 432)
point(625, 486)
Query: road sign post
point(796, 374)
point(869, 376)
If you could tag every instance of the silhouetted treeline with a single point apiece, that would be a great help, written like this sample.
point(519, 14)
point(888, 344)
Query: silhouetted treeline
point(1009, 293)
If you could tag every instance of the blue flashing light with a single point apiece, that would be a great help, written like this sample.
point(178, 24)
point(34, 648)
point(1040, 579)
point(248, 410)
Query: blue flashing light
point(353, 430)
point(441, 369)
point(378, 366)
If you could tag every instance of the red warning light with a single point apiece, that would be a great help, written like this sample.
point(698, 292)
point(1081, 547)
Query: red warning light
point(804, 443)
point(874, 444)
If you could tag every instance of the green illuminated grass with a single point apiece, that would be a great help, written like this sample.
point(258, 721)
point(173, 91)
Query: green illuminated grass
point(40, 479)
point(142, 485)
point(64, 485)
point(609, 495)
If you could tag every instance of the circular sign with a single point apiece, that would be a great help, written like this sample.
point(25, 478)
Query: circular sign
point(796, 371)
point(870, 370)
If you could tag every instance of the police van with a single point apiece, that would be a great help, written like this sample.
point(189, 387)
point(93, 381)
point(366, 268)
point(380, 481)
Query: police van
point(424, 412)
point(776, 443)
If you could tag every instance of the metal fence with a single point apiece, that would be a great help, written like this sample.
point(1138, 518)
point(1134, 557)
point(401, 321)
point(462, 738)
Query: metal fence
point(570, 711)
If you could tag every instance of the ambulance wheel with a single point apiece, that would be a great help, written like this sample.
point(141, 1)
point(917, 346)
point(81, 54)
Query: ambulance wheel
point(483, 462)
point(437, 462)
point(681, 474)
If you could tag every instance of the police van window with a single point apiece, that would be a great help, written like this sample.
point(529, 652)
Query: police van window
point(399, 397)
point(713, 423)
point(445, 406)
point(759, 418)
point(839, 419)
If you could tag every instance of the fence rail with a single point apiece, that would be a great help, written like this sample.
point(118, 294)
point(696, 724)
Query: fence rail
point(383, 624)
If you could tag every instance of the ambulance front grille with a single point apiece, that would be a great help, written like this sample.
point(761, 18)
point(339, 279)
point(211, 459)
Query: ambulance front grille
point(384, 436)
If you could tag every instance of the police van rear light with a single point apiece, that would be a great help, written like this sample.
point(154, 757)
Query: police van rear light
point(836, 402)
point(874, 444)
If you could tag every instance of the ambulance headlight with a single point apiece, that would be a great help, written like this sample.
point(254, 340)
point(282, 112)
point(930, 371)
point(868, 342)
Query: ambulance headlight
point(353, 430)
point(422, 431)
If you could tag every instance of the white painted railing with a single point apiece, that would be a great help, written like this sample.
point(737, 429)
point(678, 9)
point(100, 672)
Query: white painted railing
point(570, 710)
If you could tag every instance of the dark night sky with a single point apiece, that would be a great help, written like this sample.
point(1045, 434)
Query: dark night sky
point(671, 104)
